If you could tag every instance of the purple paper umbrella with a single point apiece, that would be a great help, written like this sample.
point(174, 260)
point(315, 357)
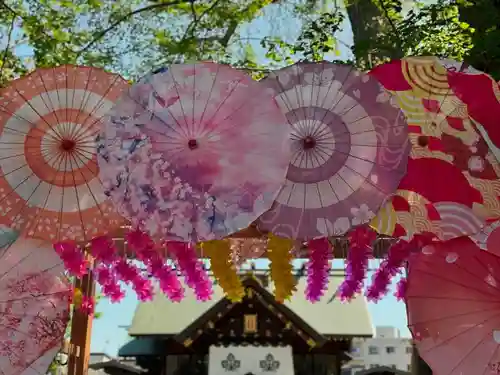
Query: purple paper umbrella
point(350, 149)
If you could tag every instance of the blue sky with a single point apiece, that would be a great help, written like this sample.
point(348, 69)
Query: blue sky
point(108, 332)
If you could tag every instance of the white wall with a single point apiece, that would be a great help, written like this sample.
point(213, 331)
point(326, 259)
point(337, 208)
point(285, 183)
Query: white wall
point(387, 348)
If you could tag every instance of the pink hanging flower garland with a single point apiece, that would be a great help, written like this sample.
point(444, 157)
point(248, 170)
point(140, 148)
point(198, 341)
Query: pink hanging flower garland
point(73, 258)
point(106, 256)
point(360, 252)
point(146, 252)
point(401, 288)
point(317, 268)
point(195, 275)
point(397, 256)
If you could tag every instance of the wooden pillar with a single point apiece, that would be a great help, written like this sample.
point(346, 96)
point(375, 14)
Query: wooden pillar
point(418, 365)
point(338, 364)
point(81, 327)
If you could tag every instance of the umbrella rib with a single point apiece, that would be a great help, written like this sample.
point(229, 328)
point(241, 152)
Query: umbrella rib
point(372, 162)
point(72, 158)
point(286, 100)
point(180, 101)
point(343, 91)
point(73, 88)
point(22, 182)
point(437, 320)
point(97, 204)
point(82, 129)
point(233, 89)
point(209, 96)
point(65, 157)
point(473, 348)
point(57, 157)
point(50, 108)
point(493, 355)
point(466, 286)
point(176, 129)
point(34, 110)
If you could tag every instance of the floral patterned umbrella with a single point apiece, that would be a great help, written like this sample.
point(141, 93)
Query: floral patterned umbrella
point(350, 147)
point(453, 304)
point(34, 307)
point(452, 184)
point(194, 152)
point(49, 185)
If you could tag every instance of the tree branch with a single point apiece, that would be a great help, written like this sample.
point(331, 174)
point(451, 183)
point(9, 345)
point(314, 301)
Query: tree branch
point(115, 24)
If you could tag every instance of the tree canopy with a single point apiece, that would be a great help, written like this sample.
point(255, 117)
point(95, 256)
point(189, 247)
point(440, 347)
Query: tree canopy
point(132, 37)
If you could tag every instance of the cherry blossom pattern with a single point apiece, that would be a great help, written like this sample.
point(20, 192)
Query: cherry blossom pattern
point(34, 307)
point(350, 147)
point(173, 150)
point(49, 185)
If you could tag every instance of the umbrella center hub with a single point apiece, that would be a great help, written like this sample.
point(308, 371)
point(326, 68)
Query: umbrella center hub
point(308, 142)
point(193, 144)
point(68, 145)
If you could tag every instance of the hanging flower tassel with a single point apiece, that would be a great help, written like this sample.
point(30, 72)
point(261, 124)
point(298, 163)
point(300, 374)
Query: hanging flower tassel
point(145, 251)
point(390, 267)
point(360, 251)
point(110, 287)
point(195, 275)
point(397, 256)
point(73, 258)
point(103, 249)
point(224, 269)
point(279, 252)
point(169, 283)
point(317, 269)
point(401, 288)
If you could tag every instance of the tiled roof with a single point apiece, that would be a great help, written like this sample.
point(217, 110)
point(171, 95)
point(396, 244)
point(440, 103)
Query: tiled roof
point(162, 317)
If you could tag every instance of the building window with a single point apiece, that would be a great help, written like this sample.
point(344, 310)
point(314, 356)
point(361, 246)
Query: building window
point(250, 323)
point(390, 349)
point(374, 366)
point(409, 350)
point(372, 350)
point(408, 368)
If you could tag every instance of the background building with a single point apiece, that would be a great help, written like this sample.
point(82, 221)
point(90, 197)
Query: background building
point(175, 338)
point(387, 348)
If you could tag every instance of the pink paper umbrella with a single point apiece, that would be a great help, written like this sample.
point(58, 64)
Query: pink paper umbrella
point(195, 152)
point(34, 307)
point(350, 144)
point(453, 303)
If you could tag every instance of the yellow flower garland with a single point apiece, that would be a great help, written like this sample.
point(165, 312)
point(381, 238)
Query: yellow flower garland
point(223, 268)
point(278, 252)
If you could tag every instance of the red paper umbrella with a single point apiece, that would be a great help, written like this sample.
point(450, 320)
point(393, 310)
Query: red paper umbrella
point(489, 238)
point(34, 307)
point(49, 184)
point(481, 94)
point(453, 303)
point(452, 184)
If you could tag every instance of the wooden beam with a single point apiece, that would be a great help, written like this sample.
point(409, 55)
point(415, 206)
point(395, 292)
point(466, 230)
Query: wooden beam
point(81, 329)
point(340, 244)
